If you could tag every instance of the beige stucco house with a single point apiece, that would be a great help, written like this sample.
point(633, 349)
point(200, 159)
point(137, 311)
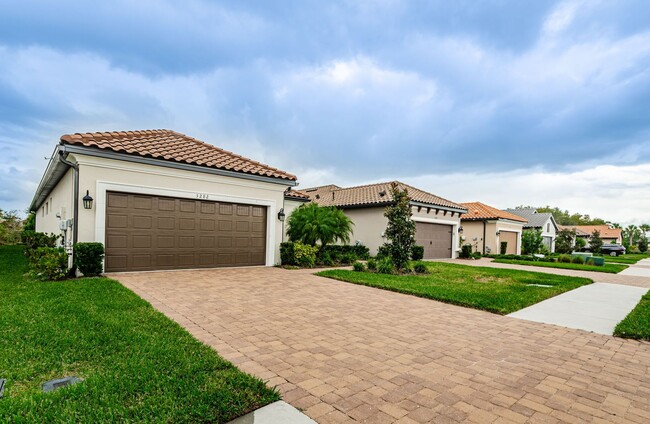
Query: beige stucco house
point(608, 233)
point(485, 228)
point(437, 219)
point(163, 200)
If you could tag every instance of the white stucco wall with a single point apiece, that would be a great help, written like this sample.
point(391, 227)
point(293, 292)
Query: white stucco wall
point(370, 224)
point(99, 175)
point(473, 234)
point(60, 201)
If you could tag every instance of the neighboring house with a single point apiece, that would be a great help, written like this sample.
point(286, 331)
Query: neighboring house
point(607, 234)
point(437, 219)
point(543, 222)
point(485, 228)
point(162, 200)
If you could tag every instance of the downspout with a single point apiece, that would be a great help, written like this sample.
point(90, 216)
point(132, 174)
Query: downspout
point(75, 207)
point(484, 232)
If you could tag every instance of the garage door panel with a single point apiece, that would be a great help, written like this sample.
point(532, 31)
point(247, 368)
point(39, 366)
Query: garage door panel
point(150, 232)
point(511, 238)
point(435, 238)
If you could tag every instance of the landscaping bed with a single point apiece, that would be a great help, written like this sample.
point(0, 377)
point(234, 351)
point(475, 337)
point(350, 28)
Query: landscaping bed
point(637, 323)
point(136, 365)
point(495, 290)
point(610, 268)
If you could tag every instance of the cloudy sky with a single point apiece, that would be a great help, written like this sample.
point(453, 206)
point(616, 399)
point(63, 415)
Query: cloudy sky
point(506, 102)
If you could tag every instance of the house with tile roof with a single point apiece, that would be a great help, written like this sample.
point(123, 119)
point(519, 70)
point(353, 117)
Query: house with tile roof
point(485, 227)
point(607, 234)
point(158, 199)
point(437, 219)
point(544, 222)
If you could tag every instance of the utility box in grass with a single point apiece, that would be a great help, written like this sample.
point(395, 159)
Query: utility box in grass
point(597, 260)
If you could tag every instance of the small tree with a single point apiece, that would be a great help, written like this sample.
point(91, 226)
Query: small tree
point(400, 230)
point(580, 243)
point(10, 227)
point(643, 245)
point(310, 224)
point(595, 242)
point(564, 241)
point(531, 241)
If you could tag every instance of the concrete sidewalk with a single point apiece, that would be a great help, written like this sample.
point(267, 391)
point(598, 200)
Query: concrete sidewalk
point(595, 307)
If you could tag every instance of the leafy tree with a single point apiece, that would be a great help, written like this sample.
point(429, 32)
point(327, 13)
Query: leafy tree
point(531, 241)
point(30, 222)
point(564, 217)
point(580, 243)
point(643, 245)
point(595, 242)
point(310, 224)
point(564, 241)
point(10, 227)
point(400, 230)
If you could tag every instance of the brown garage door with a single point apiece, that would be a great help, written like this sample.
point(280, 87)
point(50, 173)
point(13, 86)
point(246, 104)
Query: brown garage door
point(152, 232)
point(436, 239)
point(511, 238)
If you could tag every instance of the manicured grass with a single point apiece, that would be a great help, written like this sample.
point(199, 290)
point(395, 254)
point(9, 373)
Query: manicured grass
point(608, 268)
point(136, 364)
point(496, 290)
point(637, 324)
point(630, 258)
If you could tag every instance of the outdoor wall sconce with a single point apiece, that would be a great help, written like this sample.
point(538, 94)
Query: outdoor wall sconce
point(88, 201)
point(498, 233)
point(281, 215)
point(460, 229)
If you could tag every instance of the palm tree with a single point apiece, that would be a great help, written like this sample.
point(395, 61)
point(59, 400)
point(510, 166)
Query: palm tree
point(310, 224)
point(632, 233)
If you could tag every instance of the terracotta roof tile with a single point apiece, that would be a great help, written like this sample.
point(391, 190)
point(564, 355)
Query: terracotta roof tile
point(172, 146)
point(295, 194)
point(372, 194)
point(477, 211)
point(587, 230)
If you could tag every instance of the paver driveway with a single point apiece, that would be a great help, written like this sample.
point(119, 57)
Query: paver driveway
point(344, 352)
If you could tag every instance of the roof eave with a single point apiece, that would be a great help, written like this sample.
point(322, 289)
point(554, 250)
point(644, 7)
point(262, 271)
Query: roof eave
point(54, 171)
point(109, 154)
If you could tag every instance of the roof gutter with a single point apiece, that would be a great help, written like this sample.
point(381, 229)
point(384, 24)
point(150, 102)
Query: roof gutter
point(75, 189)
point(89, 151)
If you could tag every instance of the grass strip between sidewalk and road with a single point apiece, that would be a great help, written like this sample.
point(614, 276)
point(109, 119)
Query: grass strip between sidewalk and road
point(637, 323)
point(136, 364)
point(609, 268)
point(501, 291)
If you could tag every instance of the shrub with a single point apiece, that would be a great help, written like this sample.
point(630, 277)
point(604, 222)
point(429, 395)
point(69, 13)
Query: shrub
point(336, 251)
point(383, 252)
point(577, 260)
point(372, 264)
point(48, 263)
point(305, 255)
point(287, 253)
point(531, 241)
point(420, 268)
point(417, 252)
point(348, 258)
point(400, 231)
point(386, 266)
point(359, 266)
point(643, 245)
point(564, 258)
point(88, 258)
point(476, 255)
point(503, 247)
point(466, 251)
point(595, 242)
point(34, 240)
point(564, 240)
point(326, 259)
point(590, 261)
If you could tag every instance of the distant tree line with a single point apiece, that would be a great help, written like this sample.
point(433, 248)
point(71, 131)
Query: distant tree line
point(564, 217)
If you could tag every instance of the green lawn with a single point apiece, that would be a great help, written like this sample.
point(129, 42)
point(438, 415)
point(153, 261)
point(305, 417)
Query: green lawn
point(136, 364)
point(637, 324)
point(496, 290)
point(608, 267)
point(630, 258)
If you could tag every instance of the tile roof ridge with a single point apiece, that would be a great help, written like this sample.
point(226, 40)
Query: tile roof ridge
point(426, 192)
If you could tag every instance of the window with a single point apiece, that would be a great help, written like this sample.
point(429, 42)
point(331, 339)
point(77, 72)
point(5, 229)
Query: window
point(47, 208)
point(548, 227)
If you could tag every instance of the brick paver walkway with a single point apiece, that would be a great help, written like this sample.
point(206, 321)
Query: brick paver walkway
point(348, 353)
